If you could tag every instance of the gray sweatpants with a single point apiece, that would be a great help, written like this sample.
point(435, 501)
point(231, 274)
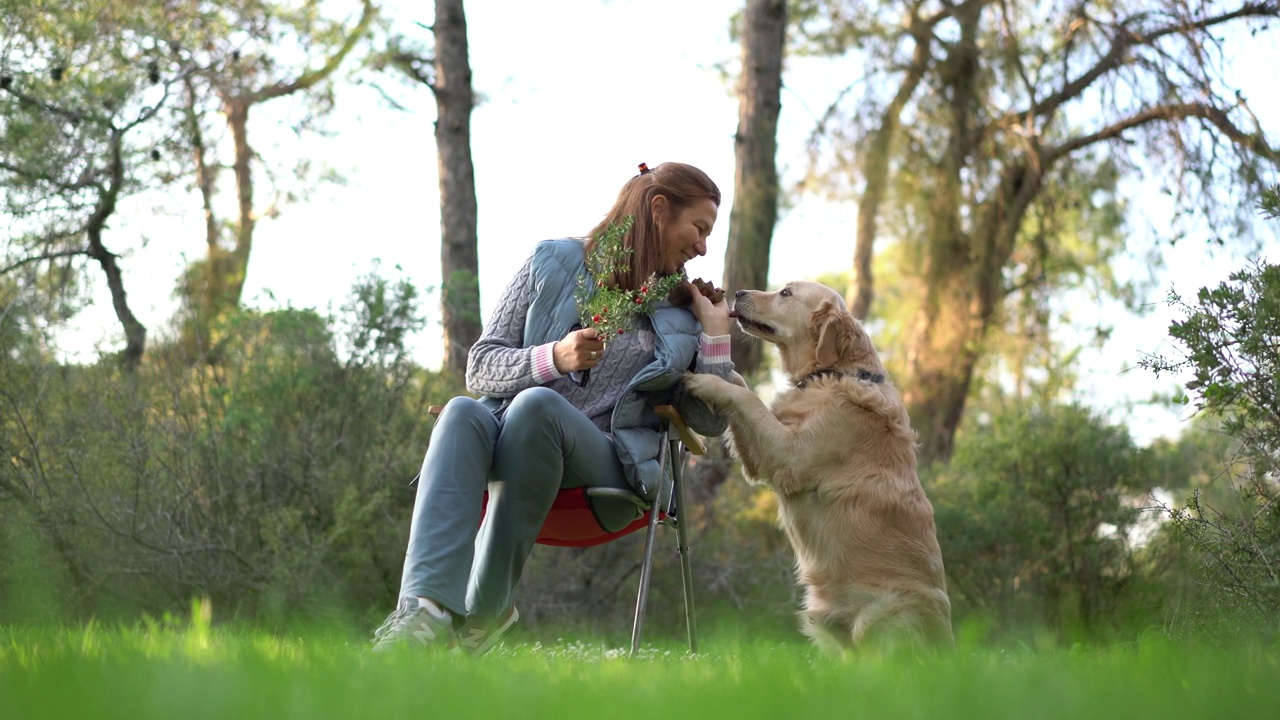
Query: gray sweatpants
point(541, 445)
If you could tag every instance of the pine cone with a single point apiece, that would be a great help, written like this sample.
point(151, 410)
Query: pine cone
point(709, 290)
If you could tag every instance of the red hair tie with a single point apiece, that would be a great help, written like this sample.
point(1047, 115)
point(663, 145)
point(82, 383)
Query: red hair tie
point(644, 169)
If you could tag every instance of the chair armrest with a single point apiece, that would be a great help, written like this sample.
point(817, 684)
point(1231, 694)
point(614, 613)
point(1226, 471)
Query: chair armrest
point(687, 436)
point(617, 494)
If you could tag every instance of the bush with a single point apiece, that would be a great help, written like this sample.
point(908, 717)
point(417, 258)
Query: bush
point(1033, 516)
point(1228, 346)
point(274, 480)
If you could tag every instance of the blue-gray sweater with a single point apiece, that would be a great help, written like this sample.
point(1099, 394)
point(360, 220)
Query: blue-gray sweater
point(539, 306)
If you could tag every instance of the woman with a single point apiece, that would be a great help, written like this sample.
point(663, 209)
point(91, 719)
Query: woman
point(538, 427)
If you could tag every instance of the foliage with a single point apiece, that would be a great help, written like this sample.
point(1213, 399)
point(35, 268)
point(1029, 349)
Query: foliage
point(1034, 514)
point(607, 306)
point(1270, 202)
point(993, 144)
point(275, 482)
point(1227, 340)
point(82, 108)
point(103, 102)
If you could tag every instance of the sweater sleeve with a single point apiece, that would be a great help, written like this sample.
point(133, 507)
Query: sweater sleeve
point(498, 364)
point(714, 355)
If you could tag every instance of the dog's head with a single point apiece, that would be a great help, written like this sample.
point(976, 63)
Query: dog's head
point(811, 326)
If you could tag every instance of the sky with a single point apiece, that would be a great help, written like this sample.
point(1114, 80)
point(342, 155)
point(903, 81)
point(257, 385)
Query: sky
point(574, 94)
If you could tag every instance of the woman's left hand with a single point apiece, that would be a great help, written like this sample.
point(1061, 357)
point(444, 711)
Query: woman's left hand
point(714, 317)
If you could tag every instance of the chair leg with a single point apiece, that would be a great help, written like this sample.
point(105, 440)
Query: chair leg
point(646, 564)
point(646, 569)
point(682, 545)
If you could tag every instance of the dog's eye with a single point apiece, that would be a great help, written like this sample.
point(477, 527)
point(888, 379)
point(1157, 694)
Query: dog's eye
point(786, 292)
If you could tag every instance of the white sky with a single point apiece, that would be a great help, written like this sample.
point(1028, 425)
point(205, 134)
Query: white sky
point(574, 94)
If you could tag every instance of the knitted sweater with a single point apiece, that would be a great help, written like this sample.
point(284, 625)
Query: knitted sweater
point(637, 370)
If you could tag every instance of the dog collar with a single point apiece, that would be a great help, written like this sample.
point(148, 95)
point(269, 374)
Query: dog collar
point(860, 373)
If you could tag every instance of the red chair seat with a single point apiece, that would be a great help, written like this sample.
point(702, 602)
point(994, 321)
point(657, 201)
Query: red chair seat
point(572, 524)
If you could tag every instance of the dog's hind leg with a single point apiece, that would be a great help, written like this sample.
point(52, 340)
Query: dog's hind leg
point(883, 622)
point(831, 639)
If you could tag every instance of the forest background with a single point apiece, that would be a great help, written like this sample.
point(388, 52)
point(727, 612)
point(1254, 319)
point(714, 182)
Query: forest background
point(252, 446)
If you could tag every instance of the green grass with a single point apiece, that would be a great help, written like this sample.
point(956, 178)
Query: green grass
point(198, 671)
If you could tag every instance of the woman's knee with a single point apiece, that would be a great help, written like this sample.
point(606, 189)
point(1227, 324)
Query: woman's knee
point(534, 405)
point(463, 414)
point(536, 418)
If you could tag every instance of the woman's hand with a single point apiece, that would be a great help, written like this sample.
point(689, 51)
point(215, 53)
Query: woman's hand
point(579, 350)
point(713, 316)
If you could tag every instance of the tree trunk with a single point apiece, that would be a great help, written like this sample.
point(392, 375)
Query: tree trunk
point(222, 285)
point(228, 270)
point(459, 261)
point(950, 328)
point(755, 181)
point(876, 171)
point(135, 332)
point(950, 331)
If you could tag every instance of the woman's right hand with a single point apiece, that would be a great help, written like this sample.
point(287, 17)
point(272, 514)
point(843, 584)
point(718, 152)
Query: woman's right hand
point(713, 316)
point(579, 350)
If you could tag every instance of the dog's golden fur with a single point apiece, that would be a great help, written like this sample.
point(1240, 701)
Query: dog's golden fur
point(839, 451)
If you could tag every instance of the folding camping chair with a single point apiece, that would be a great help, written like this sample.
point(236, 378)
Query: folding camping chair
point(570, 523)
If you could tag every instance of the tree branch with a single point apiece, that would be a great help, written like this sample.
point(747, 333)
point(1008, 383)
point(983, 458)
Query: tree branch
point(81, 183)
point(1124, 40)
point(411, 65)
point(311, 77)
point(1168, 113)
point(43, 256)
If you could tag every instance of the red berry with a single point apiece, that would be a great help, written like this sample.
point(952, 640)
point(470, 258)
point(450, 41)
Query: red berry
point(620, 331)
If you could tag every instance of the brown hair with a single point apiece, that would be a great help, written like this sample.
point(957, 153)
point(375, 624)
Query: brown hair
point(682, 185)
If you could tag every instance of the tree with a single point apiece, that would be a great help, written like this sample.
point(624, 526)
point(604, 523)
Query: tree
point(81, 97)
point(990, 138)
point(755, 180)
point(103, 100)
point(447, 72)
point(246, 53)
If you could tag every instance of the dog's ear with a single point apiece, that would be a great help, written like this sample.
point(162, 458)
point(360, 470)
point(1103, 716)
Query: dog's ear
point(831, 325)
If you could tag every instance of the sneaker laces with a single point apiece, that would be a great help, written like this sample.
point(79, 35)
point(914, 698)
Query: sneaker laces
point(399, 619)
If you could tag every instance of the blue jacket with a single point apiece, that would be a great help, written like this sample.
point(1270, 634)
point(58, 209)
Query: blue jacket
point(554, 269)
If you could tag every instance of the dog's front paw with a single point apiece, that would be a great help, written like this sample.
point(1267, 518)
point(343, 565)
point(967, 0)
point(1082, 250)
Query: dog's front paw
point(711, 389)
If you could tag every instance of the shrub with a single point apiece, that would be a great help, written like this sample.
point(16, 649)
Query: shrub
point(1227, 339)
point(1033, 516)
point(273, 480)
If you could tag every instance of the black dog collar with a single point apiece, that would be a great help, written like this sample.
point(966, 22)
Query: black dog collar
point(860, 373)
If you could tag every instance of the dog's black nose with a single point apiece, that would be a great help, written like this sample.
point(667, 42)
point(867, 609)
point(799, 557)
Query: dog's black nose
point(739, 293)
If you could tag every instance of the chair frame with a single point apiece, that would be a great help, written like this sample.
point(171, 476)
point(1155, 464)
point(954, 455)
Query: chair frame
point(679, 441)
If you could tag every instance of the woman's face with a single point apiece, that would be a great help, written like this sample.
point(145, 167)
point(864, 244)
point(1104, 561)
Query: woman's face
point(684, 232)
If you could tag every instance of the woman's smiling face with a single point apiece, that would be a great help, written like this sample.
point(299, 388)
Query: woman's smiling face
point(684, 232)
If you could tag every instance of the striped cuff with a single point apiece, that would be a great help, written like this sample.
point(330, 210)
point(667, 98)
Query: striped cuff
point(544, 364)
point(714, 349)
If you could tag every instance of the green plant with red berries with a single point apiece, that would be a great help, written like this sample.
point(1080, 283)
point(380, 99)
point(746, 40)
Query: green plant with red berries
point(613, 310)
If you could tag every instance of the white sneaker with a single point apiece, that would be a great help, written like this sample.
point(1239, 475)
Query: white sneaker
point(416, 620)
point(480, 639)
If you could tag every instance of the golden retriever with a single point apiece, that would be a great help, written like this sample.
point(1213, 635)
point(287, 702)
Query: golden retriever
point(839, 451)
